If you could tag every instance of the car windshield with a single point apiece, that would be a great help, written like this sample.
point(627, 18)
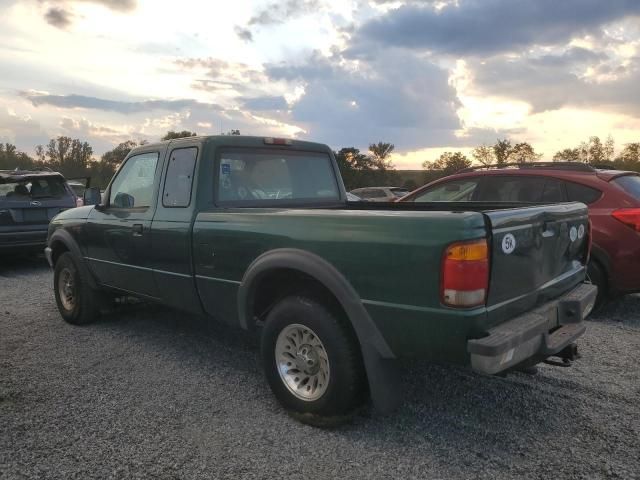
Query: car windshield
point(31, 188)
point(630, 184)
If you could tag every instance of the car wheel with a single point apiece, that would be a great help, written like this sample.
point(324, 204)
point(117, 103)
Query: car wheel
point(597, 276)
point(77, 302)
point(312, 360)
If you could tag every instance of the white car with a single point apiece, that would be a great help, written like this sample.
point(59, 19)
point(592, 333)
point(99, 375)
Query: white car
point(380, 194)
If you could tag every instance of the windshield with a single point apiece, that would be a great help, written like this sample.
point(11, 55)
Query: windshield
point(32, 188)
point(630, 184)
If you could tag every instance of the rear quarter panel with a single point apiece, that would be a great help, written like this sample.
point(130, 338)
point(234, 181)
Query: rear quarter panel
point(391, 258)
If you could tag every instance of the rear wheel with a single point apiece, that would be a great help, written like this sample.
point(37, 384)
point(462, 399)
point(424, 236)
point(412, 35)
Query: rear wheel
point(312, 360)
point(77, 302)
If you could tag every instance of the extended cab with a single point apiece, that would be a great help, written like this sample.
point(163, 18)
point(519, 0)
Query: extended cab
point(257, 232)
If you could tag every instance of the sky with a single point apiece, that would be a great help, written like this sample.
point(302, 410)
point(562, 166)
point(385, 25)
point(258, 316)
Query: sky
point(427, 75)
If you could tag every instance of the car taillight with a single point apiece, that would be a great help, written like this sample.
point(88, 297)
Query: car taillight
point(465, 274)
point(628, 216)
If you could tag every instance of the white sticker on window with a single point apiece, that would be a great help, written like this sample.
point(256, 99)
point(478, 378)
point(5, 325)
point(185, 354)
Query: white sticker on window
point(573, 234)
point(581, 231)
point(508, 243)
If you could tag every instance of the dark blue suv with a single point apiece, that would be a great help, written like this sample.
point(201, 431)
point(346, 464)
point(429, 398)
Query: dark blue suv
point(28, 201)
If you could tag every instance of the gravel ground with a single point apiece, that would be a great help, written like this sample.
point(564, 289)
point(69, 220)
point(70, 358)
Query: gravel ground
point(147, 393)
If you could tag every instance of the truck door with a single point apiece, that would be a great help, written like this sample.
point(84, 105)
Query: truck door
point(119, 233)
point(171, 229)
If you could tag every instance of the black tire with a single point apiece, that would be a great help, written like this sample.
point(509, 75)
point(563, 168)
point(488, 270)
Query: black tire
point(83, 304)
point(598, 277)
point(346, 379)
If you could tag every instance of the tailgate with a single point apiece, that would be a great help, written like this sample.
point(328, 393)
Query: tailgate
point(537, 253)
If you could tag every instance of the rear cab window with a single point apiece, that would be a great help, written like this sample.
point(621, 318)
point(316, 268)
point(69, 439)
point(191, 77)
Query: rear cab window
point(256, 176)
point(630, 184)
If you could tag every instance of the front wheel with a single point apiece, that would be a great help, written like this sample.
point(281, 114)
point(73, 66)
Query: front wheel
point(77, 302)
point(311, 358)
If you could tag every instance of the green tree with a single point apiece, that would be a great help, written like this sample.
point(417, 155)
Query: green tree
point(381, 152)
point(116, 156)
point(524, 153)
point(57, 151)
point(410, 184)
point(502, 151)
point(356, 168)
point(11, 158)
point(567, 155)
point(484, 155)
point(448, 163)
point(41, 155)
point(185, 133)
point(629, 158)
point(594, 152)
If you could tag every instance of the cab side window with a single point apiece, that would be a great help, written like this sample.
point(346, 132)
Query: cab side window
point(133, 186)
point(179, 179)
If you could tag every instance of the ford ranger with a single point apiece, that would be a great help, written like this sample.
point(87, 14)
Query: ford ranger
point(257, 232)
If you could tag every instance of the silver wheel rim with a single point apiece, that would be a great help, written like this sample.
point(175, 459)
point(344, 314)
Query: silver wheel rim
point(302, 362)
point(66, 289)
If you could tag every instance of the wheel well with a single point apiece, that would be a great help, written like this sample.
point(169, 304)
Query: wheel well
point(279, 283)
point(57, 249)
point(283, 282)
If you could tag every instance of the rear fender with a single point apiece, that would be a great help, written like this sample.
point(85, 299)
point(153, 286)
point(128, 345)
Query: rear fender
point(379, 360)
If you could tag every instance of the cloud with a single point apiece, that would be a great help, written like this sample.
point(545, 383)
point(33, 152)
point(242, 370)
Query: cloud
point(276, 13)
point(282, 11)
point(81, 101)
point(61, 14)
point(244, 33)
point(117, 5)
point(22, 131)
point(265, 103)
point(576, 78)
point(395, 96)
point(480, 27)
point(58, 17)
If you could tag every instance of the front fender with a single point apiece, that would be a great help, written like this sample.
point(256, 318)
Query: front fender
point(61, 238)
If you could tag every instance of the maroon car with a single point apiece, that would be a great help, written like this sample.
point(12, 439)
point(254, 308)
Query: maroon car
point(613, 198)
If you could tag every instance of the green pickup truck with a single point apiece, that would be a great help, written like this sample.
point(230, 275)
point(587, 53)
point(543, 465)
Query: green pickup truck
point(258, 233)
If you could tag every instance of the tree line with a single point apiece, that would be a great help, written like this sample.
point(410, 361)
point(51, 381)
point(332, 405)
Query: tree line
point(594, 152)
point(74, 158)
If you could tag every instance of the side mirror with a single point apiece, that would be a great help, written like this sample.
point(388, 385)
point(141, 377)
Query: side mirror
point(123, 200)
point(92, 196)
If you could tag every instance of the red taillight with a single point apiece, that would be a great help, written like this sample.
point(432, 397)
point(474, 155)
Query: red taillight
point(277, 141)
point(628, 216)
point(465, 274)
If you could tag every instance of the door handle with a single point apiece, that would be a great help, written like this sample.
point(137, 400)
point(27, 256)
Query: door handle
point(137, 229)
